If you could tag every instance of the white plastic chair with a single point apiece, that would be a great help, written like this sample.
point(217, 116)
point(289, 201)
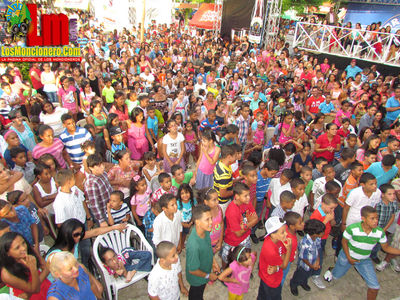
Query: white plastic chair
point(131, 237)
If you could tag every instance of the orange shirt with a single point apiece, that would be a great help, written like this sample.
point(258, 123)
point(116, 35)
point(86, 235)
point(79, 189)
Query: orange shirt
point(351, 183)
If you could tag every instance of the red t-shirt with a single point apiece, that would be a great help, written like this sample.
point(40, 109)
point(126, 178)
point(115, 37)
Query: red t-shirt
point(319, 215)
point(271, 255)
point(323, 142)
point(343, 133)
point(314, 104)
point(235, 216)
point(37, 84)
point(293, 237)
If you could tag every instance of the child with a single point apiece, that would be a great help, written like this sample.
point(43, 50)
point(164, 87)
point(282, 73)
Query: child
point(277, 186)
point(303, 158)
point(237, 275)
point(286, 129)
point(294, 223)
point(173, 147)
point(249, 173)
point(148, 221)
point(238, 157)
point(273, 259)
point(167, 225)
point(392, 148)
point(45, 189)
point(208, 157)
point(108, 93)
point(117, 144)
point(243, 123)
point(280, 109)
point(258, 117)
point(387, 209)
point(342, 170)
point(286, 203)
point(317, 171)
point(89, 148)
point(4, 111)
point(127, 263)
point(369, 159)
point(324, 213)
point(152, 123)
point(327, 108)
point(351, 141)
point(117, 210)
point(210, 122)
point(166, 187)
point(306, 175)
point(140, 200)
point(67, 95)
point(289, 150)
point(240, 218)
point(165, 280)
point(179, 177)
point(358, 241)
point(231, 135)
point(190, 142)
point(258, 138)
point(151, 168)
point(13, 141)
point(384, 171)
point(344, 130)
point(356, 170)
point(19, 157)
point(319, 184)
point(217, 231)
point(309, 256)
point(186, 202)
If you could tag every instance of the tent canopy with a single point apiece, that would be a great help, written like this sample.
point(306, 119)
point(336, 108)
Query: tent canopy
point(205, 17)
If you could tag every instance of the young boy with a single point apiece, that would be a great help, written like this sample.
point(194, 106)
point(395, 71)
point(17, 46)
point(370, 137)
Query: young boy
point(369, 159)
point(326, 214)
point(236, 166)
point(179, 176)
point(117, 210)
point(167, 225)
point(264, 177)
point(342, 170)
point(309, 256)
point(298, 187)
point(148, 221)
point(356, 170)
point(117, 144)
point(327, 107)
point(243, 123)
point(319, 163)
point(223, 181)
point(351, 141)
point(166, 187)
point(331, 187)
point(249, 173)
point(108, 93)
point(12, 99)
point(286, 203)
point(306, 175)
point(358, 241)
point(152, 123)
point(385, 170)
point(277, 186)
point(387, 209)
point(165, 280)
point(201, 265)
point(240, 217)
point(19, 157)
point(319, 184)
point(231, 135)
point(210, 122)
point(294, 223)
point(273, 259)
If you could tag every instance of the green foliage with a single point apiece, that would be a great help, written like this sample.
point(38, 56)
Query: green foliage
point(300, 5)
point(24, 68)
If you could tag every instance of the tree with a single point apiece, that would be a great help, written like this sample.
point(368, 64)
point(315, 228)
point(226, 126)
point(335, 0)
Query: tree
point(299, 5)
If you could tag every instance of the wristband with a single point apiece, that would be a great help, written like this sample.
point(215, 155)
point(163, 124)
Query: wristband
point(207, 276)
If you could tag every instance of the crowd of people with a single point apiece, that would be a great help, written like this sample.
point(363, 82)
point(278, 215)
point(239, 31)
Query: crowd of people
point(218, 141)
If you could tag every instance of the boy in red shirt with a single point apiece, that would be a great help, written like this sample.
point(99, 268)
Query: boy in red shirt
point(249, 173)
point(326, 214)
point(274, 258)
point(294, 223)
point(240, 217)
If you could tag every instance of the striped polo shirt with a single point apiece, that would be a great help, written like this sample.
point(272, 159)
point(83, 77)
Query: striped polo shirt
point(73, 142)
point(360, 243)
point(222, 180)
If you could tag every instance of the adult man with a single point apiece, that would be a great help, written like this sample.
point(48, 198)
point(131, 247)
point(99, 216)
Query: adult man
point(312, 104)
point(352, 69)
point(393, 106)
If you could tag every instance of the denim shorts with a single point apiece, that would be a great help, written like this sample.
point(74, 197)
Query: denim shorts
point(226, 248)
point(365, 267)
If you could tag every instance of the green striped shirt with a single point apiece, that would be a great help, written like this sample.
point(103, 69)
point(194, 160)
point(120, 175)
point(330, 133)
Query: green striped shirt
point(360, 243)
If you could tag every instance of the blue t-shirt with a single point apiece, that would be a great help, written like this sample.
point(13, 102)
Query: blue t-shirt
point(326, 108)
point(186, 210)
point(392, 102)
point(381, 176)
point(352, 71)
point(153, 125)
point(8, 159)
point(23, 227)
point(262, 186)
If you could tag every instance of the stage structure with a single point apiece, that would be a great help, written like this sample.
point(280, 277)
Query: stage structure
point(323, 39)
point(217, 21)
point(271, 22)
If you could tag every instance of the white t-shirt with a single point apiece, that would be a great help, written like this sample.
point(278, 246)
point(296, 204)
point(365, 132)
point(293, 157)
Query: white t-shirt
point(20, 185)
point(318, 188)
point(148, 78)
point(69, 205)
point(167, 230)
point(165, 283)
point(300, 204)
point(356, 199)
point(276, 189)
point(46, 78)
point(54, 119)
point(173, 145)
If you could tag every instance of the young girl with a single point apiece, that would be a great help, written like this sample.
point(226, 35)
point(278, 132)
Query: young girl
point(140, 199)
point(237, 275)
point(303, 158)
point(50, 161)
point(67, 96)
point(190, 142)
point(86, 96)
point(185, 202)
point(137, 132)
point(173, 147)
point(177, 117)
point(209, 154)
point(344, 112)
point(217, 231)
point(151, 168)
point(286, 128)
point(259, 134)
point(45, 189)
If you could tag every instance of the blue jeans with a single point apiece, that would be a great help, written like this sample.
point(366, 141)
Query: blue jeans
point(321, 256)
point(52, 96)
point(258, 208)
point(375, 250)
point(137, 260)
point(364, 267)
point(285, 272)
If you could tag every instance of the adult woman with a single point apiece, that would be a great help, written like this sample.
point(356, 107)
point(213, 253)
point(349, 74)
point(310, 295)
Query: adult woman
point(51, 116)
point(328, 143)
point(317, 127)
point(48, 79)
point(21, 269)
point(120, 175)
point(95, 82)
point(138, 135)
point(51, 145)
point(121, 109)
point(210, 102)
point(371, 143)
point(378, 122)
point(22, 129)
point(143, 63)
point(72, 280)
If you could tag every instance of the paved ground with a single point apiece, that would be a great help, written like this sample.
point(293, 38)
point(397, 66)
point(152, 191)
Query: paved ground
point(350, 286)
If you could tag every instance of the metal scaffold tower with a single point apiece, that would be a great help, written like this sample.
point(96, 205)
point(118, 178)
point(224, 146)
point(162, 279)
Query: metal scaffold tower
point(271, 22)
point(217, 22)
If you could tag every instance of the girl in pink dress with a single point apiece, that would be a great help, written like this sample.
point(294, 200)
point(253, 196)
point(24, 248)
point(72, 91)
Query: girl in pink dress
point(190, 141)
point(137, 132)
point(286, 128)
point(217, 231)
point(67, 96)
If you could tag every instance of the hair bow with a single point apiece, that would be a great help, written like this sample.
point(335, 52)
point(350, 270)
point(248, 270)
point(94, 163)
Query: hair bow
point(136, 178)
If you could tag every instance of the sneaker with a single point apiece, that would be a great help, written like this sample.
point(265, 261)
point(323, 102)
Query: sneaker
point(318, 282)
point(254, 238)
point(380, 267)
point(376, 260)
point(294, 290)
point(395, 265)
point(328, 276)
point(306, 287)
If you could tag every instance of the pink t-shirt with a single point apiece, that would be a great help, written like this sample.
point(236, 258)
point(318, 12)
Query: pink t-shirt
point(67, 97)
point(283, 138)
point(205, 165)
point(55, 150)
point(216, 230)
point(241, 274)
point(342, 114)
point(142, 202)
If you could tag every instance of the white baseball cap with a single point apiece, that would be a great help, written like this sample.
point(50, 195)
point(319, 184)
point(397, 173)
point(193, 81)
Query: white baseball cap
point(273, 224)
